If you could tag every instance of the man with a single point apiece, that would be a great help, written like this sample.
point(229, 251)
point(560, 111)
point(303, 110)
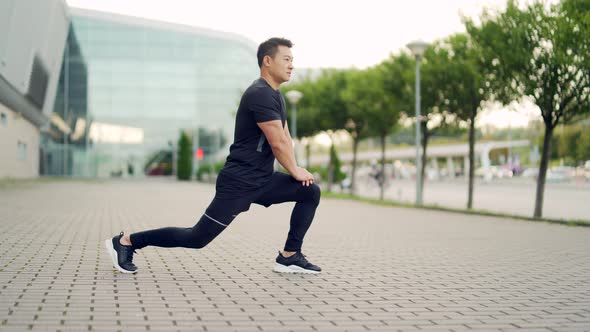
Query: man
point(261, 135)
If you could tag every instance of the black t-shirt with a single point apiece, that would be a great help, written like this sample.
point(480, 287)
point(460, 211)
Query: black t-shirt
point(251, 160)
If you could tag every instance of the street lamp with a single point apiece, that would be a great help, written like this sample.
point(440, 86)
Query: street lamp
point(294, 96)
point(417, 48)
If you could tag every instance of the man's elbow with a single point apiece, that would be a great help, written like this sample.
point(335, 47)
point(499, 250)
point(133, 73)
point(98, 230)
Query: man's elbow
point(279, 143)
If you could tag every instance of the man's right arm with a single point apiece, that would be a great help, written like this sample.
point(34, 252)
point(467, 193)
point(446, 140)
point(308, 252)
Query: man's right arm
point(280, 144)
point(282, 149)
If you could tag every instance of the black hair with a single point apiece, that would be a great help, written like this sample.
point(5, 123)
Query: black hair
point(270, 48)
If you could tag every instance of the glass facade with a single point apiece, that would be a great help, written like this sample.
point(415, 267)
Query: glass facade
point(142, 83)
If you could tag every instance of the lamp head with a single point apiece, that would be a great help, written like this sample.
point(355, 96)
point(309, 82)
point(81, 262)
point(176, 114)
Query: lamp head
point(294, 96)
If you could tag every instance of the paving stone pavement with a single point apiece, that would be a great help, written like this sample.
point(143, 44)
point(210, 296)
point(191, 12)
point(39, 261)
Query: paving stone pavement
point(384, 268)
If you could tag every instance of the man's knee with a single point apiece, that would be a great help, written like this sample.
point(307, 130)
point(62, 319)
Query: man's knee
point(204, 232)
point(314, 193)
point(199, 242)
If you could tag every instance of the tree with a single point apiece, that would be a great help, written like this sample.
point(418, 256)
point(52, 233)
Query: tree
point(307, 112)
point(332, 111)
point(437, 93)
point(382, 108)
point(456, 71)
point(185, 160)
point(541, 51)
point(357, 121)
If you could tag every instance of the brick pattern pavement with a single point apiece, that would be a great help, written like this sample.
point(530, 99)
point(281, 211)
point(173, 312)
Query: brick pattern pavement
point(385, 269)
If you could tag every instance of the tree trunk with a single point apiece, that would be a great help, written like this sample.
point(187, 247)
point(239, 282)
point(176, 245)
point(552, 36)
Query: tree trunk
point(471, 159)
point(543, 170)
point(355, 145)
point(382, 179)
point(424, 145)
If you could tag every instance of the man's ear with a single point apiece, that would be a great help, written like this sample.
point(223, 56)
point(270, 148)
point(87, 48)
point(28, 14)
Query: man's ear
point(266, 60)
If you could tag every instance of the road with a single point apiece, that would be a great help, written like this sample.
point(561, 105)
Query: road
point(514, 196)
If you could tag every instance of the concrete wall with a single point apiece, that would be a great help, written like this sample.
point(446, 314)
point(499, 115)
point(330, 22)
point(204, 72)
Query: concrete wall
point(19, 146)
point(29, 30)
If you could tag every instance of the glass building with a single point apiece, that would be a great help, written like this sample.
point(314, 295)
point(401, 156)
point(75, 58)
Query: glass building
point(129, 86)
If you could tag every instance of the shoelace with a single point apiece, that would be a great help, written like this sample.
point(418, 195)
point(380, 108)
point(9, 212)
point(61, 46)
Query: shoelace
point(129, 255)
point(303, 259)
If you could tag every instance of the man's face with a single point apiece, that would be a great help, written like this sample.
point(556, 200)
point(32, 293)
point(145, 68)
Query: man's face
point(281, 65)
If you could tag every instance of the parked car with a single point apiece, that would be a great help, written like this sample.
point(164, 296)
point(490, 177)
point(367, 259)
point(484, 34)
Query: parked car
point(531, 172)
point(493, 172)
point(560, 174)
point(159, 164)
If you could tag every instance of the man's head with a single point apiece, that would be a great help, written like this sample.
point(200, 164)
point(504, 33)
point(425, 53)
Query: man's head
point(275, 59)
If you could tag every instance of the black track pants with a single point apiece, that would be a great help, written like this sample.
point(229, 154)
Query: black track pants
point(221, 212)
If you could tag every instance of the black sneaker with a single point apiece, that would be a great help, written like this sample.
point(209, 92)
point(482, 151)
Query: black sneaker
point(295, 264)
point(122, 255)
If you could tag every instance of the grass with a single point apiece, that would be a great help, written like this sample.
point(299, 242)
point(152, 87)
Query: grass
point(568, 222)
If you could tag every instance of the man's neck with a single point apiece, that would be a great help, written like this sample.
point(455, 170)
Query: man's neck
point(265, 76)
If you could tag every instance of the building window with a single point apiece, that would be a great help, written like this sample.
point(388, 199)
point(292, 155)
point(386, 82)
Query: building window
point(21, 151)
point(3, 119)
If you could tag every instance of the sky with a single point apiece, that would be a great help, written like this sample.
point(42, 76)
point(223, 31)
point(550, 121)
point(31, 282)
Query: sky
point(325, 33)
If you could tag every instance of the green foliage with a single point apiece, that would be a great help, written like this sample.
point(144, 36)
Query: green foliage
point(541, 51)
point(185, 160)
point(332, 108)
point(568, 140)
point(354, 95)
point(307, 108)
point(206, 168)
point(202, 170)
point(583, 146)
point(337, 165)
point(457, 75)
point(571, 144)
point(339, 175)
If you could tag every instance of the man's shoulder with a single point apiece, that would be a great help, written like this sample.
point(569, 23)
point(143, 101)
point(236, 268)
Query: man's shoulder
point(259, 91)
point(259, 87)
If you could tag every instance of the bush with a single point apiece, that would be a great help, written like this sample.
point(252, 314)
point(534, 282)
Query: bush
point(218, 166)
point(206, 168)
point(338, 174)
point(203, 169)
point(583, 146)
point(185, 160)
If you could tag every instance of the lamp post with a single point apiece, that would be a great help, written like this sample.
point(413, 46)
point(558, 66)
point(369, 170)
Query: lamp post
point(417, 48)
point(294, 96)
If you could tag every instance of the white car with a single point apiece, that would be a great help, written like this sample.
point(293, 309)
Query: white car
point(560, 174)
point(532, 172)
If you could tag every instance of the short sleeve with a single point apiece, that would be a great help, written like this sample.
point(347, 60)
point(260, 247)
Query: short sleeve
point(264, 106)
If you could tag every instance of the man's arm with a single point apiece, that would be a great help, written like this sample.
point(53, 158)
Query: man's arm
point(282, 147)
point(280, 142)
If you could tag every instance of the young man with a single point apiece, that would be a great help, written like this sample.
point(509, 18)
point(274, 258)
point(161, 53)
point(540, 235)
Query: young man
point(261, 135)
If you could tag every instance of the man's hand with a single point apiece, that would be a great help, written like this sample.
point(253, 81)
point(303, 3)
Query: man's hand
point(303, 175)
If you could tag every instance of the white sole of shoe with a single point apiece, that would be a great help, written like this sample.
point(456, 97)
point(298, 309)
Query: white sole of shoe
point(113, 253)
point(280, 268)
